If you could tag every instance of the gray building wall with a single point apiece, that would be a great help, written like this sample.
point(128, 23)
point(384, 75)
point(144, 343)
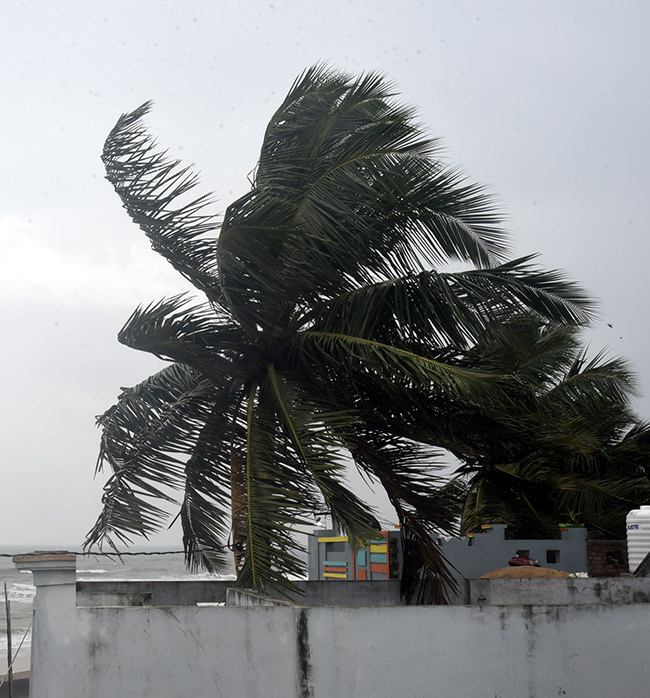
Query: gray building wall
point(489, 550)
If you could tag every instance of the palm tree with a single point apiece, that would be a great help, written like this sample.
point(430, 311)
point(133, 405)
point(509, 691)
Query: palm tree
point(567, 449)
point(324, 312)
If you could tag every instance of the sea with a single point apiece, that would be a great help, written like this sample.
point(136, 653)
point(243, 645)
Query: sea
point(20, 590)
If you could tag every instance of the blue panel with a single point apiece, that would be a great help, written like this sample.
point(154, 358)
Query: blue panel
point(361, 557)
point(334, 563)
point(379, 557)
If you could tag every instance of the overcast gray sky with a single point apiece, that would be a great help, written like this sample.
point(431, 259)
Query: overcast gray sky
point(546, 102)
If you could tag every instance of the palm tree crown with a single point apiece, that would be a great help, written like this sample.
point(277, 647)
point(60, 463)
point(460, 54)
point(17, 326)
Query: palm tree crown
point(326, 312)
point(567, 449)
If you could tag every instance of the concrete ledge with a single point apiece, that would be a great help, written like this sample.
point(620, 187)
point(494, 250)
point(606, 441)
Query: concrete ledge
point(249, 597)
point(49, 567)
point(59, 558)
point(559, 592)
point(94, 593)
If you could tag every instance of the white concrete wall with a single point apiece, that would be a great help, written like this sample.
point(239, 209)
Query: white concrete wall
point(477, 652)
point(588, 651)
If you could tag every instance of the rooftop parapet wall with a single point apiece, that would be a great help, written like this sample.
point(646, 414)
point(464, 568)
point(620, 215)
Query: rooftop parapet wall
point(189, 593)
point(559, 592)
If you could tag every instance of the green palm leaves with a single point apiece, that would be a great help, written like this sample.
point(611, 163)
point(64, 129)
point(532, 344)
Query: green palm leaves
point(569, 449)
point(327, 328)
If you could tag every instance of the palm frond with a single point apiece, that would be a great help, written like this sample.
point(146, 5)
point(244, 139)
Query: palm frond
point(347, 190)
point(536, 351)
point(312, 433)
point(447, 309)
point(411, 308)
point(597, 382)
point(633, 449)
point(194, 335)
point(259, 290)
point(485, 503)
point(386, 363)
point(424, 508)
point(146, 437)
point(277, 498)
point(203, 511)
point(156, 192)
point(348, 153)
point(520, 284)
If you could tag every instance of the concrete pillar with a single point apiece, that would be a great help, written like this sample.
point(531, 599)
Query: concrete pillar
point(54, 574)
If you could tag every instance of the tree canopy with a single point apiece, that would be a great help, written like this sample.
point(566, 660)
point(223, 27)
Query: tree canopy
point(328, 329)
point(568, 448)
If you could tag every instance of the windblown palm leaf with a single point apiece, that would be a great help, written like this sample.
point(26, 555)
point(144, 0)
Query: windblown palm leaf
point(327, 312)
point(570, 449)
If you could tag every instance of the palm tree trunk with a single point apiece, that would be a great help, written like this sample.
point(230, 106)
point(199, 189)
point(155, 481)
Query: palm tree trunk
point(238, 496)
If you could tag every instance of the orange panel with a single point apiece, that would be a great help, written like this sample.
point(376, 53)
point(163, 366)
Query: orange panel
point(361, 574)
point(376, 567)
